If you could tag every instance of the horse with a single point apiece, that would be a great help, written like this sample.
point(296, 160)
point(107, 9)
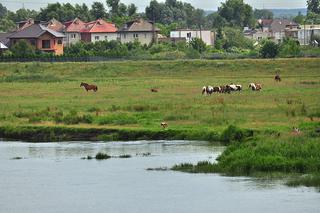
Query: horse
point(255, 87)
point(207, 90)
point(217, 89)
point(164, 125)
point(89, 87)
point(277, 78)
point(154, 90)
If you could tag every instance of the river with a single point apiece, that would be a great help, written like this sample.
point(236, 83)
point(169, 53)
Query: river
point(52, 177)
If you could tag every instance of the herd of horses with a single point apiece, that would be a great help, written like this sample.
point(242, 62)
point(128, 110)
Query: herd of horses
point(206, 90)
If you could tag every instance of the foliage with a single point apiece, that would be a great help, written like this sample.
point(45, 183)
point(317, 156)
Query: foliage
point(22, 49)
point(269, 49)
point(313, 6)
point(7, 25)
point(233, 37)
point(289, 48)
point(198, 44)
point(237, 13)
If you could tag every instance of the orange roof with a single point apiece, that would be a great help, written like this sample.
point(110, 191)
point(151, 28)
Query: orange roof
point(99, 26)
point(74, 26)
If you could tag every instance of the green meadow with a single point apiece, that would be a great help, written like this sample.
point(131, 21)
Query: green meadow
point(49, 94)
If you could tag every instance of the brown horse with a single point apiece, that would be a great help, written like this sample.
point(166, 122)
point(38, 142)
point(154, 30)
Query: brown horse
point(89, 87)
point(164, 125)
point(277, 78)
point(154, 90)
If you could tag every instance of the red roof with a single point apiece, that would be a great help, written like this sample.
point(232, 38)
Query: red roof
point(74, 26)
point(99, 26)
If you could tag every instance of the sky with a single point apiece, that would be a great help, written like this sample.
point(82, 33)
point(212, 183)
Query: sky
point(141, 4)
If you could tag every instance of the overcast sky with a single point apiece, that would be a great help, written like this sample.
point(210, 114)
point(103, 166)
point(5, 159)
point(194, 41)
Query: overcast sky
point(204, 4)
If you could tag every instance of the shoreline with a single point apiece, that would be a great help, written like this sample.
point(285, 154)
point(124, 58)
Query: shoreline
point(62, 133)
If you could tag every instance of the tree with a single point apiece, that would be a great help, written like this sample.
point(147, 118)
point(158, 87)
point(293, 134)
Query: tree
point(269, 49)
point(98, 10)
point(3, 11)
point(122, 11)
point(114, 7)
point(263, 14)
point(234, 37)
point(132, 9)
point(299, 18)
point(215, 21)
point(289, 47)
point(237, 13)
point(22, 49)
point(313, 6)
point(22, 14)
point(82, 12)
point(198, 44)
point(7, 25)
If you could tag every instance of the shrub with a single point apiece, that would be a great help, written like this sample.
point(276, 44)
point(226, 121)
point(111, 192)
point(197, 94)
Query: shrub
point(198, 44)
point(233, 133)
point(269, 49)
point(102, 156)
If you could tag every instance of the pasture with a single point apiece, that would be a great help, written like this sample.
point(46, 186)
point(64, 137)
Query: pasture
point(49, 94)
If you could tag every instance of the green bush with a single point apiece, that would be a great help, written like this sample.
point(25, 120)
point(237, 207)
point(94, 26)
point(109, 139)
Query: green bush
point(269, 49)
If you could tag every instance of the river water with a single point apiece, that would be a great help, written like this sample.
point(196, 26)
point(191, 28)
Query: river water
point(51, 178)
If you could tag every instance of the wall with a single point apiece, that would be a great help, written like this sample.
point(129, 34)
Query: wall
point(68, 40)
point(206, 36)
point(104, 36)
point(143, 37)
point(56, 48)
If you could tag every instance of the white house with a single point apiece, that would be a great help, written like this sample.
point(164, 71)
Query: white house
point(205, 35)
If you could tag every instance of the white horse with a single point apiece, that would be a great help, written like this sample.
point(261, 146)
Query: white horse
point(255, 87)
point(235, 87)
point(207, 90)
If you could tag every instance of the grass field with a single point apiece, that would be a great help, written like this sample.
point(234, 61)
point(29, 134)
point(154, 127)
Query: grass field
point(49, 94)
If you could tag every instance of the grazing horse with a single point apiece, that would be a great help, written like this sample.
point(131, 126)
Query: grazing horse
point(207, 90)
point(216, 89)
point(277, 78)
point(255, 87)
point(154, 90)
point(239, 87)
point(89, 87)
point(164, 125)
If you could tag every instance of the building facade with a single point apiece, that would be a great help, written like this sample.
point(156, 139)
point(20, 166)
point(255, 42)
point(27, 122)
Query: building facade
point(139, 30)
point(205, 35)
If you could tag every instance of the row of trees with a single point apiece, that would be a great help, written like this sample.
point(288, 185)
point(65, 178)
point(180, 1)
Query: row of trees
point(171, 12)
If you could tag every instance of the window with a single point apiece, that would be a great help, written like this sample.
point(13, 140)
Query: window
point(135, 35)
point(59, 41)
point(73, 35)
point(96, 38)
point(145, 35)
point(124, 36)
point(106, 38)
point(45, 44)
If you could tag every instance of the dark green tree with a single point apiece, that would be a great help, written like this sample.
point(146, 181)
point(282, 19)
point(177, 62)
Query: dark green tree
point(3, 11)
point(132, 9)
point(269, 49)
point(98, 10)
point(313, 6)
point(237, 13)
point(7, 25)
point(113, 6)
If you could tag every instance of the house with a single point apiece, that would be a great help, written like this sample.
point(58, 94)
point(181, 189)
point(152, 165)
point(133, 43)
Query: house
point(276, 27)
point(99, 30)
point(205, 35)
point(41, 37)
point(255, 34)
point(139, 30)
point(306, 32)
point(73, 31)
point(4, 38)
